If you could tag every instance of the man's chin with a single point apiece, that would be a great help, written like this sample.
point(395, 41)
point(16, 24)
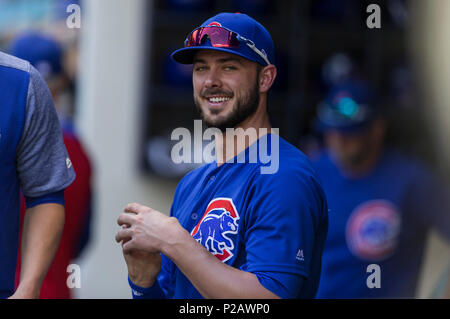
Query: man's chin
point(353, 161)
point(220, 125)
point(216, 121)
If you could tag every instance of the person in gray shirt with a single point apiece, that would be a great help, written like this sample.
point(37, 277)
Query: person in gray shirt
point(34, 161)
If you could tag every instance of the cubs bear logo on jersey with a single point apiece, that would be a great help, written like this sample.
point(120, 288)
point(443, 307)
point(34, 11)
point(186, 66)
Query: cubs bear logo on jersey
point(373, 229)
point(217, 228)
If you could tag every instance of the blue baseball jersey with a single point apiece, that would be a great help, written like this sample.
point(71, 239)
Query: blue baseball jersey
point(383, 219)
point(33, 158)
point(273, 225)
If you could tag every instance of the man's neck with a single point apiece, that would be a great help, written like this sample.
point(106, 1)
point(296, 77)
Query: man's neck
point(232, 142)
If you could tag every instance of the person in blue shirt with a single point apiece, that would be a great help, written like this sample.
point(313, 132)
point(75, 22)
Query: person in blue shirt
point(33, 160)
point(382, 203)
point(238, 228)
point(46, 54)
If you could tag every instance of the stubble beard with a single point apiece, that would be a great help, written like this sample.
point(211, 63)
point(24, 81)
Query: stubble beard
point(244, 107)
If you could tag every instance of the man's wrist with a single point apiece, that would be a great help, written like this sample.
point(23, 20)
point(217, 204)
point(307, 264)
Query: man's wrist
point(141, 282)
point(179, 238)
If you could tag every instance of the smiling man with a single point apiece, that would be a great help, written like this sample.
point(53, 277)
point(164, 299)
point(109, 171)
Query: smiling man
point(234, 232)
point(238, 89)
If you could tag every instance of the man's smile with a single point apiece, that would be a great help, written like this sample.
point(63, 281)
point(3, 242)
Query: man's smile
point(217, 102)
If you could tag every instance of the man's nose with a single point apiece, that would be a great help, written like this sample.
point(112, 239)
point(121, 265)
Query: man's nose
point(213, 79)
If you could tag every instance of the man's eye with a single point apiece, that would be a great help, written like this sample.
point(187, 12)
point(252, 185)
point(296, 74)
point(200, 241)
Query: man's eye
point(230, 68)
point(200, 68)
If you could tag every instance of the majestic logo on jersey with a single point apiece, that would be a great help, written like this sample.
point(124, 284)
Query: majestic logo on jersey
point(215, 24)
point(373, 229)
point(216, 229)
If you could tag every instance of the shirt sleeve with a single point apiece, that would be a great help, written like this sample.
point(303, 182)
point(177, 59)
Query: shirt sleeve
point(152, 292)
point(280, 238)
point(43, 164)
point(284, 285)
point(54, 198)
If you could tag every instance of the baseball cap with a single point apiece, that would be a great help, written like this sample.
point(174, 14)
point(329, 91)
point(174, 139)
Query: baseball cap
point(42, 51)
point(349, 107)
point(244, 26)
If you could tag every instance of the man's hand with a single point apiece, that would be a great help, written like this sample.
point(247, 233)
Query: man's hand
point(143, 267)
point(143, 235)
point(146, 229)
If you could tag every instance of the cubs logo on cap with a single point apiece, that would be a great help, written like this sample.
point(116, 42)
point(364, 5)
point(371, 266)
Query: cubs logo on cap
point(218, 227)
point(373, 229)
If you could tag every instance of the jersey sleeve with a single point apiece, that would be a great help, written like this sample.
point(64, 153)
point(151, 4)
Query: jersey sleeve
point(54, 198)
point(284, 285)
point(281, 238)
point(43, 164)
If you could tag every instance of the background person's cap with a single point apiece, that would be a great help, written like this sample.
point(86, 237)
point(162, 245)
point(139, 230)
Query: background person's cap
point(241, 24)
point(349, 107)
point(42, 51)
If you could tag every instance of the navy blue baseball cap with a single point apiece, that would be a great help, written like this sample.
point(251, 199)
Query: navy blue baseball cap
point(42, 51)
point(253, 38)
point(349, 107)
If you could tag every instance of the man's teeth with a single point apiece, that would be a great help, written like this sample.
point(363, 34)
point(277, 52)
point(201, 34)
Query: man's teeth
point(218, 99)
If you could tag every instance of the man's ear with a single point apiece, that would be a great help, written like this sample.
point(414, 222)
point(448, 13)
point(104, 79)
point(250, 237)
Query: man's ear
point(266, 78)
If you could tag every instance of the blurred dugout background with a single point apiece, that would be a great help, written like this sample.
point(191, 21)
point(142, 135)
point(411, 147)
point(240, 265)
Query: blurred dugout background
point(129, 96)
